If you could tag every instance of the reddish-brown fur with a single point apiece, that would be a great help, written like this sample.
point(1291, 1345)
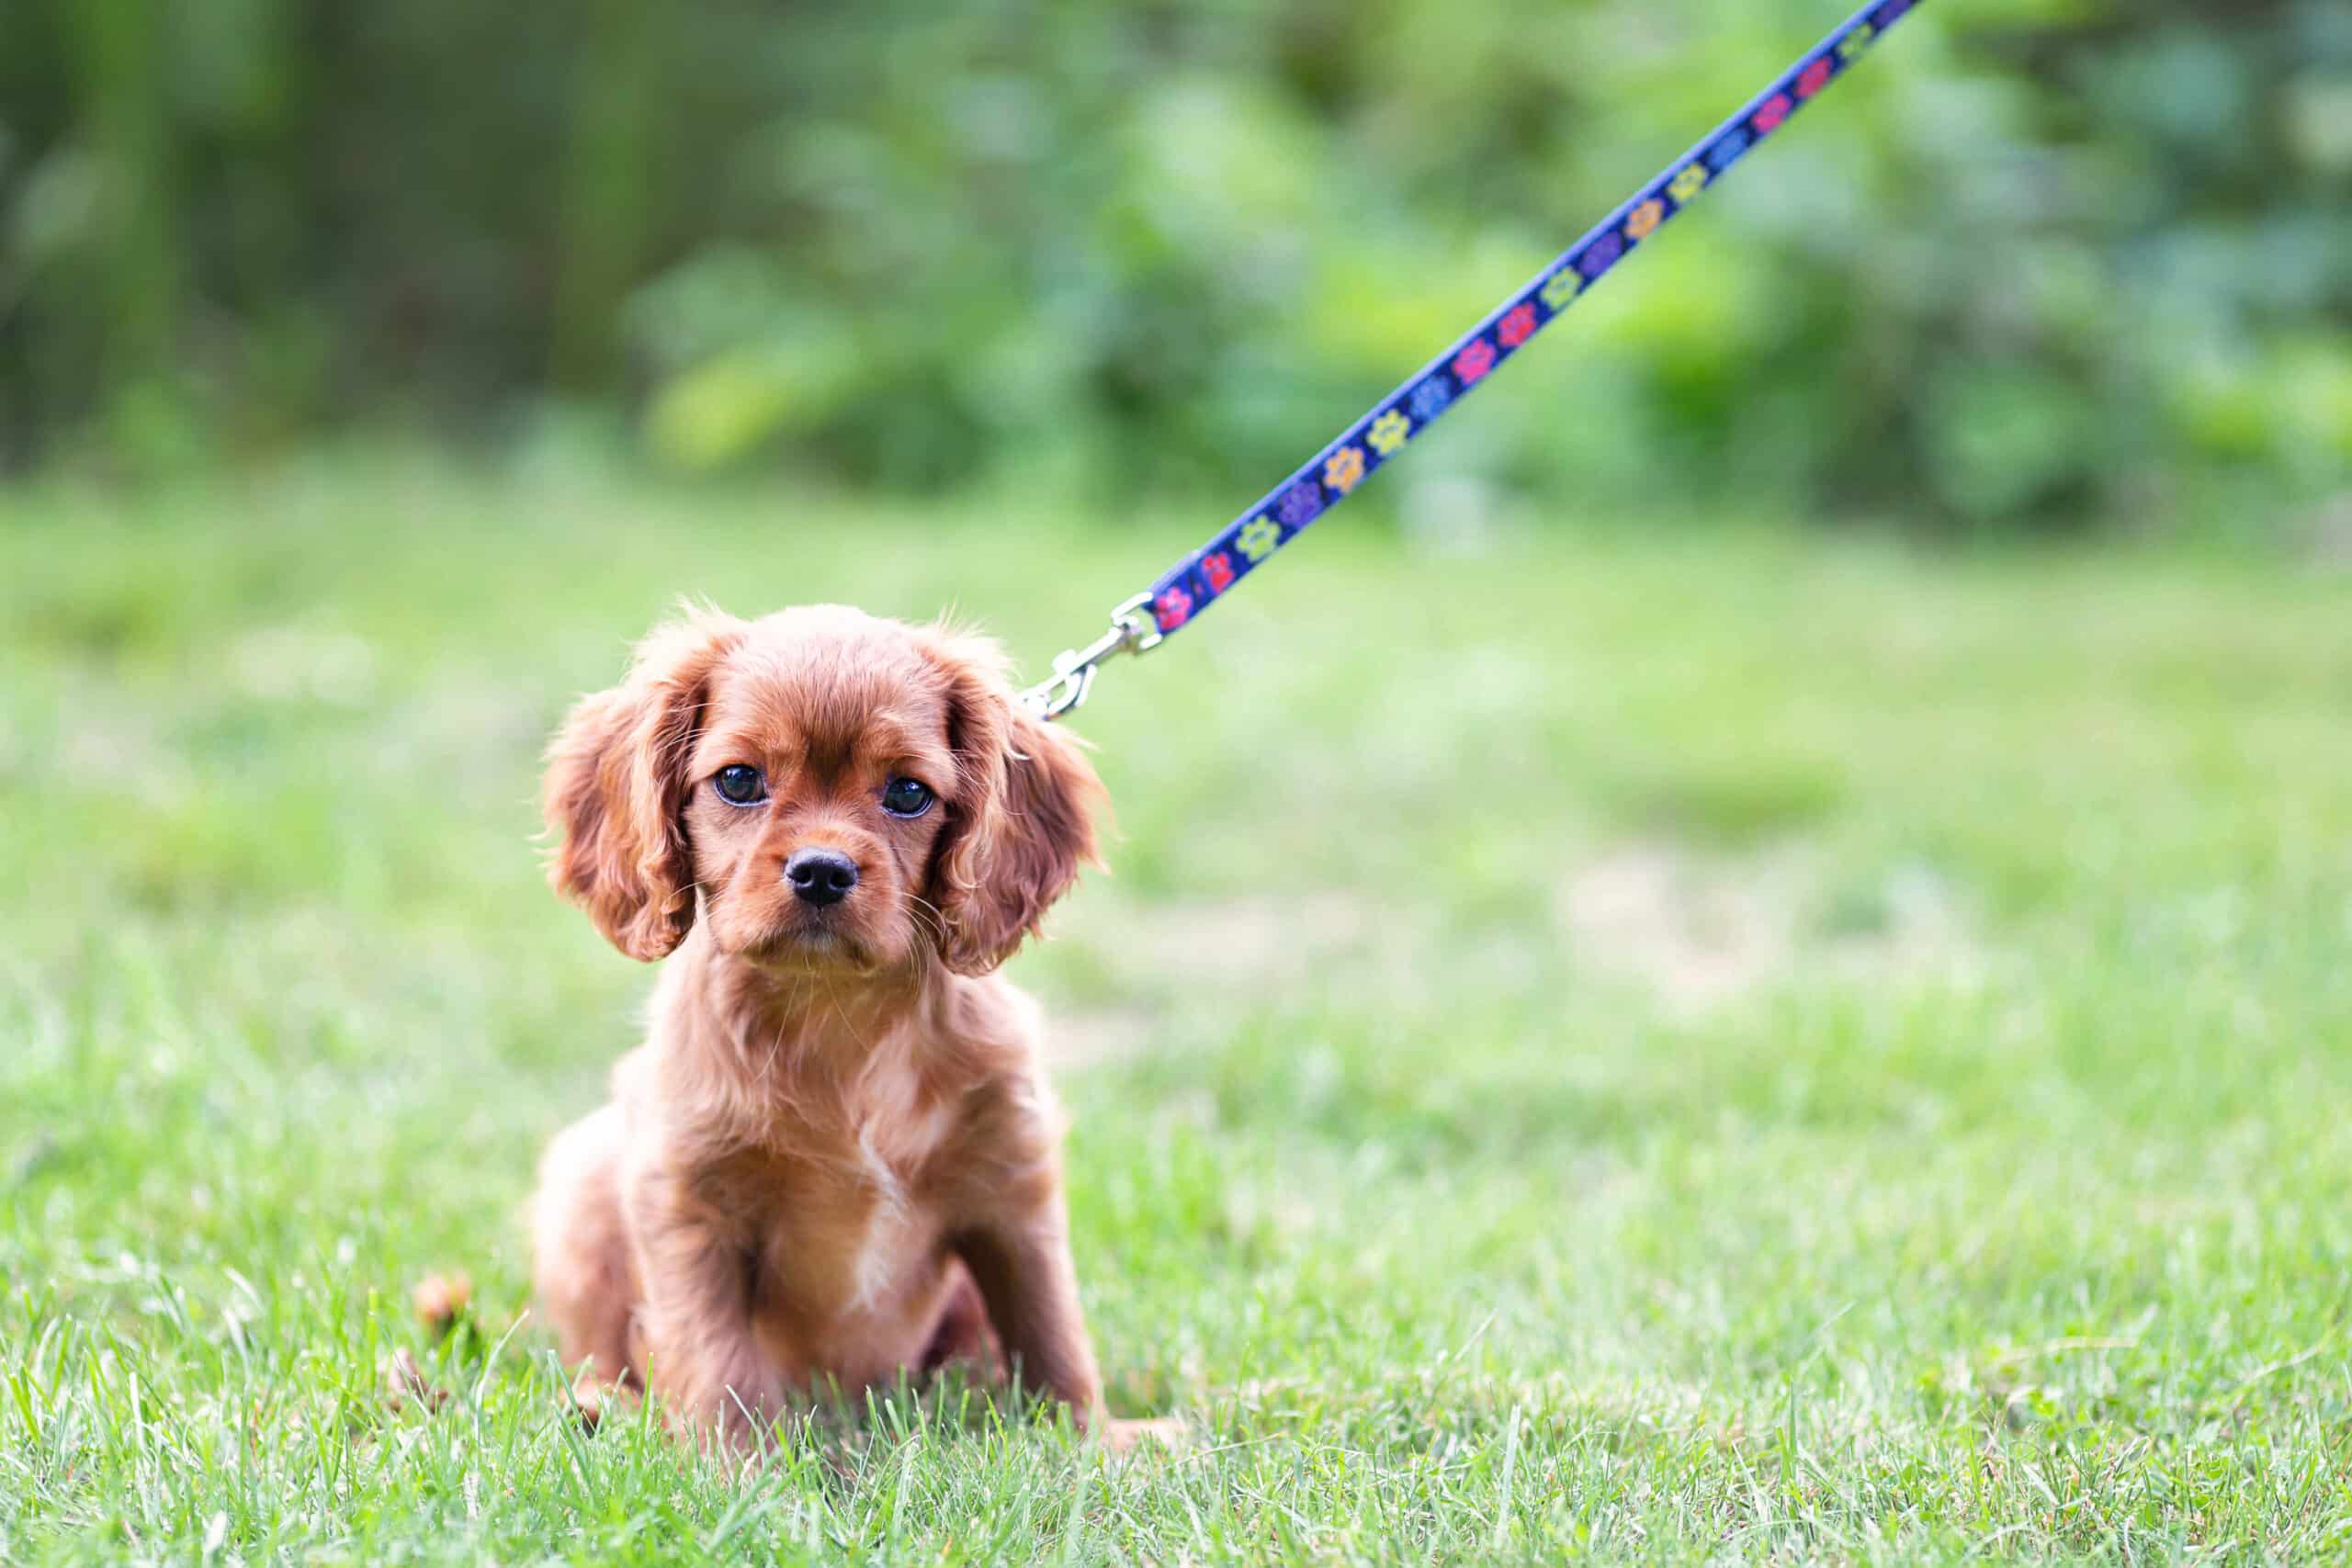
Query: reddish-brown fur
point(835, 1154)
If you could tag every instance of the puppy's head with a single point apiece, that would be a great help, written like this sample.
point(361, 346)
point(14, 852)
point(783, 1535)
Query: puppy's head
point(824, 789)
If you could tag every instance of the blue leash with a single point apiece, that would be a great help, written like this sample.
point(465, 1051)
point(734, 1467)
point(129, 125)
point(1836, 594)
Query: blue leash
point(1332, 475)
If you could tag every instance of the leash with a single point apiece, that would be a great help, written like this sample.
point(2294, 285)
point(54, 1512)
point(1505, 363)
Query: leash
point(1201, 578)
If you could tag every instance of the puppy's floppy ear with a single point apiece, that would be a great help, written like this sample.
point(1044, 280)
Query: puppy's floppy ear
point(617, 783)
point(1022, 819)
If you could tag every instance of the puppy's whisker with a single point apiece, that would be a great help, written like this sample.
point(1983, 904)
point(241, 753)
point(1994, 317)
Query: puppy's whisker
point(834, 995)
point(927, 915)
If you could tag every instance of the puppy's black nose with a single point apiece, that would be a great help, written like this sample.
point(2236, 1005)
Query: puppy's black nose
point(820, 876)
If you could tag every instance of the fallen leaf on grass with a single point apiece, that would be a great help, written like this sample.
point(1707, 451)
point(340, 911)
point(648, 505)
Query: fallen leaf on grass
point(405, 1384)
point(441, 1300)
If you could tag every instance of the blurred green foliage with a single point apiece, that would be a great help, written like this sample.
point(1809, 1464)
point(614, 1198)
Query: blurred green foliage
point(2042, 259)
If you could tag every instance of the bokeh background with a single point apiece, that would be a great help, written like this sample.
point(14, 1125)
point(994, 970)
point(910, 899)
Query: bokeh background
point(1744, 960)
point(2058, 264)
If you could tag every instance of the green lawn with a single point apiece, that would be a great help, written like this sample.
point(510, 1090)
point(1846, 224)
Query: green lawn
point(1702, 1044)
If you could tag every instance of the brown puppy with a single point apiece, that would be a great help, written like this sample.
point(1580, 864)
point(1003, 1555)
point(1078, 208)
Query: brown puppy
point(836, 1150)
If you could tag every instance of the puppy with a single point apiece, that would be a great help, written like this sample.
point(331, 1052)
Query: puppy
point(835, 1157)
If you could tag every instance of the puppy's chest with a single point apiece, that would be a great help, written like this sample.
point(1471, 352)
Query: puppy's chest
point(847, 1203)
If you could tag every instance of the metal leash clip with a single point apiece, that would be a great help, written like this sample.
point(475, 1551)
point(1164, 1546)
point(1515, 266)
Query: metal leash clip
point(1132, 630)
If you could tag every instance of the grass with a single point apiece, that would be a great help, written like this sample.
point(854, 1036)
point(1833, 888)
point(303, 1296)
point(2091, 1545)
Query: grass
point(1693, 1045)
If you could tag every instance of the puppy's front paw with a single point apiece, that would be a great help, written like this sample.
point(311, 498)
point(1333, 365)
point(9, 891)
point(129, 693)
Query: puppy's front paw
point(1164, 1433)
point(744, 1425)
point(731, 1412)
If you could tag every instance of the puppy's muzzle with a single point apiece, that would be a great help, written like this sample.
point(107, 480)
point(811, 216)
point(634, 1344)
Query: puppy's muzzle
point(820, 876)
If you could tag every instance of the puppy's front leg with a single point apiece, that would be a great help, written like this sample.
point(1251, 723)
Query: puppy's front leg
point(1021, 1261)
point(1022, 1264)
point(700, 1351)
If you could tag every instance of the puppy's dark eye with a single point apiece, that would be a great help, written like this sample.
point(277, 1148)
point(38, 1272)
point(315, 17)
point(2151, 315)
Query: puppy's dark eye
point(906, 797)
point(739, 784)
